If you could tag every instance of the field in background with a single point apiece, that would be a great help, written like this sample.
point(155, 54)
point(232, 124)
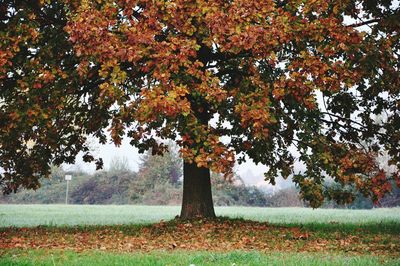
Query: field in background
point(59, 215)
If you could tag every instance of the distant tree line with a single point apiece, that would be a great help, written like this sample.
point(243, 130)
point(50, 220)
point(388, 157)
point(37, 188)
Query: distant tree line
point(159, 182)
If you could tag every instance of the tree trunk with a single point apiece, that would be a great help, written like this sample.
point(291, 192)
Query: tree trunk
point(197, 199)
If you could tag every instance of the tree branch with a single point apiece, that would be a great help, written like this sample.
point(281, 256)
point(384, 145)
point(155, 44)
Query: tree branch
point(363, 23)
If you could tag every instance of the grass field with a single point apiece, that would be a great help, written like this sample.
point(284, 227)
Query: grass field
point(133, 235)
point(62, 215)
point(37, 258)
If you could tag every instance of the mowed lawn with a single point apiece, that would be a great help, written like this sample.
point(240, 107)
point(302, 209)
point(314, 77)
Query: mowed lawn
point(67, 215)
point(134, 235)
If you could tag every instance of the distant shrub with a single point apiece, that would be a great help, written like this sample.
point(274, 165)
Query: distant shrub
point(288, 197)
point(104, 189)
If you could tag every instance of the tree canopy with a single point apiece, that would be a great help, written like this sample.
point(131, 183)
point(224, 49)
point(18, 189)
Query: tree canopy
point(227, 80)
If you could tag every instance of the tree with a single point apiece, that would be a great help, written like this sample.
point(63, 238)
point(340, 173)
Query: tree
point(235, 192)
point(268, 75)
point(119, 165)
point(167, 167)
point(158, 180)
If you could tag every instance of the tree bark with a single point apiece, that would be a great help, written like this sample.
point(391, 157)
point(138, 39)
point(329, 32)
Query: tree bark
point(197, 198)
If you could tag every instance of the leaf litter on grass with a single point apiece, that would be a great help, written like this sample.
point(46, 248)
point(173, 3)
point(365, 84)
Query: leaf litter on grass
point(201, 235)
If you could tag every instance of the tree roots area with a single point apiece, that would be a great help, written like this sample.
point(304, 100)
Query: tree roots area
point(205, 242)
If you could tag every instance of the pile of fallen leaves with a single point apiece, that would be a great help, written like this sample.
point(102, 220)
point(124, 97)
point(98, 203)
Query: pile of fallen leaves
point(208, 235)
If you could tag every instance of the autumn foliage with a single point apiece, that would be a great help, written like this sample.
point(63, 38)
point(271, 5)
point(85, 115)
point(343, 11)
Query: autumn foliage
point(228, 80)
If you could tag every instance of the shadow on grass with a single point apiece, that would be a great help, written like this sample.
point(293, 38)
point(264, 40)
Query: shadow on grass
point(388, 227)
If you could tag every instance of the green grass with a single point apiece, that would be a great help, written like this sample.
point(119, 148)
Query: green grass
point(61, 215)
point(69, 215)
point(15, 257)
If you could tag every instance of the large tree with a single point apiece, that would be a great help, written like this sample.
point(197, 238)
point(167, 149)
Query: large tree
point(226, 80)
